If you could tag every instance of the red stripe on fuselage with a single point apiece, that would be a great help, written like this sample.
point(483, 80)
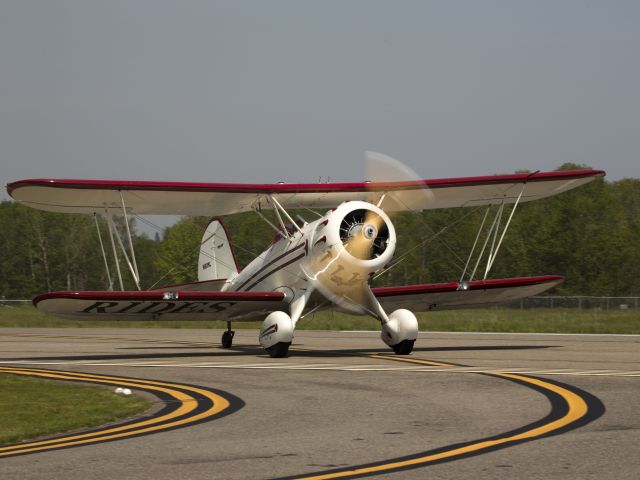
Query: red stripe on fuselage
point(267, 265)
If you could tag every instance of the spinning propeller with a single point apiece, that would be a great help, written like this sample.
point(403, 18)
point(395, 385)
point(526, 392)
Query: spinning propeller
point(365, 240)
point(382, 168)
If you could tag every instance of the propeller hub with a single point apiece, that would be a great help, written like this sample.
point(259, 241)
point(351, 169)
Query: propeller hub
point(364, 233)
point(369, 231)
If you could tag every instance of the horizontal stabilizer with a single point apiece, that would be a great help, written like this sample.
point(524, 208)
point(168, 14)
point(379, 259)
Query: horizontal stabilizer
point(456, 295)
point(156, 305)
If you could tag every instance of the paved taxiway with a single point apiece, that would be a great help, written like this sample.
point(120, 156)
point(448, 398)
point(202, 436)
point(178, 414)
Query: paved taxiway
point(340, 401)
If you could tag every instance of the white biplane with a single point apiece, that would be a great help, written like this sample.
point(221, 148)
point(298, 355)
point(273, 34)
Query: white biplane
point(326, 263)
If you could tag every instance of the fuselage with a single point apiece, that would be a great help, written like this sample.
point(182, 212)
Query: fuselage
point(316, 260)
point(278, 267)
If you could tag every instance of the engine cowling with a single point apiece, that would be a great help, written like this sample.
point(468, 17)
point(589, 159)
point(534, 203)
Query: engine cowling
point(349, 245)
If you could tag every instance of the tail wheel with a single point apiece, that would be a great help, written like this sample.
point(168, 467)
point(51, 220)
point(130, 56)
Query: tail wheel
point(227, 339)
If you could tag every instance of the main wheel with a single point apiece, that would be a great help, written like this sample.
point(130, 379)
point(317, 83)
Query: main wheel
point(404, 347)
point(227, 339)
point(279, 350)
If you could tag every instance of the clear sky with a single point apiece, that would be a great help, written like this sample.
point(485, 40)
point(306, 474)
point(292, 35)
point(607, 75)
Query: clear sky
point(268, 91)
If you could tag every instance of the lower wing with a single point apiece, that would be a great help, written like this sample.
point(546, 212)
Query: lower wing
point(162, 305)
point(447, 296)
point(197, 305)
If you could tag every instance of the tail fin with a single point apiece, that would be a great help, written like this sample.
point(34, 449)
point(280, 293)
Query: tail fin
point(217, 258)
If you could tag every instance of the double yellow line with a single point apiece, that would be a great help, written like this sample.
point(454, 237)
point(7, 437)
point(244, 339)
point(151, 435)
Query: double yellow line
point(186, 405)
point(574, 408)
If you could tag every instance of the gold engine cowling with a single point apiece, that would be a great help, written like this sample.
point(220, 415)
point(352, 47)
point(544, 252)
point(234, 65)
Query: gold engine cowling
point(349, 245)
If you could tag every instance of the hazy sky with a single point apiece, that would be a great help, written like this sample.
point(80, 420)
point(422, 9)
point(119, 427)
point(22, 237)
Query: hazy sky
point(264, 91)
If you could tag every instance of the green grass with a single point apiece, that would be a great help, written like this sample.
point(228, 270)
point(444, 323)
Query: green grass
point(31, 408)
point(480, 320)
point(497, 320)
point(534, 321)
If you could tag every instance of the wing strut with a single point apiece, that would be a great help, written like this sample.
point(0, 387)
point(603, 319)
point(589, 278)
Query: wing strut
point(104, 255)
point(492, 234)
point(124, 252)
point(113, 248)
point(475, 242)
point(280, 207)
point(494, 254)
point(133, 253)
point(113, 232)
point(267, 221)
point(277, 208)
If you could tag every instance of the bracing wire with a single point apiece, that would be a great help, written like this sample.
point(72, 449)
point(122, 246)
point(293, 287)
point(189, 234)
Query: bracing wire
point(424, 242)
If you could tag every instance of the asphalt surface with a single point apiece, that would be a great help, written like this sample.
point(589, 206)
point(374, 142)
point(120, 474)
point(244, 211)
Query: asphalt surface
point(467, 406)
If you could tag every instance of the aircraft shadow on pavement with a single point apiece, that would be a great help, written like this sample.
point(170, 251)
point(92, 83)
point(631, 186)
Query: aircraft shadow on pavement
point(254, 351)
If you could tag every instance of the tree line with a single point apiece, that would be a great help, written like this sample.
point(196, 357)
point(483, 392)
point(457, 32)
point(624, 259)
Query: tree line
point(591, 235)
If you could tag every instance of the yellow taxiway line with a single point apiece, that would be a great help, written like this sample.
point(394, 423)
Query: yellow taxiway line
point(570, 409)
point(576, 409)
point(190, 405)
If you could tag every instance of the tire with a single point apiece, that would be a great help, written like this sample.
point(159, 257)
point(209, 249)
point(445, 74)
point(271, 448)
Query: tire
point(279, 350)
point(404, 347)
point(227, 339)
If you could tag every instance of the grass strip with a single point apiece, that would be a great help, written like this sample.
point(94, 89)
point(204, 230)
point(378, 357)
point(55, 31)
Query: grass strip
point(31, 408)
point(560, 320)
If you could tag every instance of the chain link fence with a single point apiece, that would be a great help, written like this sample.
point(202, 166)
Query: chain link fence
point(13, 303)
point(544, 301)
point(578, 302)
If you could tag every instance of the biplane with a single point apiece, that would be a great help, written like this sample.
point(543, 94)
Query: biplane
point(328, 262)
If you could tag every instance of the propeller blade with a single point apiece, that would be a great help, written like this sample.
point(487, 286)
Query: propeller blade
point(382, 168)
point(367, 237)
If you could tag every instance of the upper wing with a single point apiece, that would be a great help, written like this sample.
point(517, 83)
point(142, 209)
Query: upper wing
point(446, 296)
point(179, 198)
point(167, 305)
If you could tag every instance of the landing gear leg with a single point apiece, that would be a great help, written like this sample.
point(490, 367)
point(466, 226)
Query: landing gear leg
point(399, 330)
point(227, 337)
